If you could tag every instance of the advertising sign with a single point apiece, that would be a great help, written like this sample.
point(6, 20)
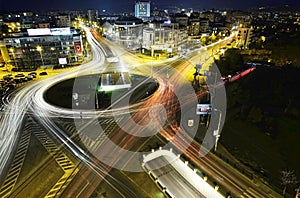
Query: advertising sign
point(60, 31)
point(77, 46)
point(39, 32)
point(62, 61)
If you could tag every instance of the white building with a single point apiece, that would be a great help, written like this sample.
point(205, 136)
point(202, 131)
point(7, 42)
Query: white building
point(43, 47)
point(128, 32)
point(163, 37)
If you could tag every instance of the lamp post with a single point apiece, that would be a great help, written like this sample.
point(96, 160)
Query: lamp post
point(68, 54)
point(40, 49)
point(217, 132)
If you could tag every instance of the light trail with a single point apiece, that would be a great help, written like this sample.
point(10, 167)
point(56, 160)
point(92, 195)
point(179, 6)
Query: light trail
point(31, 98)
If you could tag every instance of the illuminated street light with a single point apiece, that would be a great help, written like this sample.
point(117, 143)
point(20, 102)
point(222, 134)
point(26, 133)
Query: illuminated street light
point(40, 49)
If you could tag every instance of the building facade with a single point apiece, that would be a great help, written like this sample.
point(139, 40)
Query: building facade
point(166, 38)
point(244, 37)
point(44, 47)
point(128, 32)
point(63, 20)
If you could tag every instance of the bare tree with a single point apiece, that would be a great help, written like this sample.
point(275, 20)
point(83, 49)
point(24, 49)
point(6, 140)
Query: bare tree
point(287, 177)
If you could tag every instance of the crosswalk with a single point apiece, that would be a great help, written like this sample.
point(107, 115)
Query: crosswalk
point(16, 166)
point(90, 140)
point(102, 128)
point(64, 162)
point(68, 166)
point(70, 169)
point(60, 157)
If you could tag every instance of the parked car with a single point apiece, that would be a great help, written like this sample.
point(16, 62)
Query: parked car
point(32, 73)
point(29, 77)
point(19, 75)
point(43, 74)
point(7, 77)
point(24, 79)
point(17, 80)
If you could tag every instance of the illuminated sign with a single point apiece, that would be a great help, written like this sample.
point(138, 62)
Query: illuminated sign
point(78, 49)
point(48, 31)
point(190, 123)
point(167, 22)
point(39, 32)
point(60, 31)
point(203, 109)
point(62, 61)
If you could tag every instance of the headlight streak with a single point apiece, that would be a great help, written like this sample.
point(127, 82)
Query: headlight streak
point(31, 97)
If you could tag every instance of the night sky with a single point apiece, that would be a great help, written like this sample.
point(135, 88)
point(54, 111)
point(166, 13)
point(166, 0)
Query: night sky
point(127, 5)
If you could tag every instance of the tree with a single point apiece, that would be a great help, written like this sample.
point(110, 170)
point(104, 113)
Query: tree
point(203, 39)
point(255, 115)
point(4, 29)
point(287, 177)
point(213, 37)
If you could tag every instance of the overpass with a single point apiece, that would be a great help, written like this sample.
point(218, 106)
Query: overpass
point(175, 178)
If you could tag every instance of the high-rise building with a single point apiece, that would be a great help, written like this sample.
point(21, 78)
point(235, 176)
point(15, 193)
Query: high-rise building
point(93, 15)
point(244, 37)
point(63, 20)
point(142, 9)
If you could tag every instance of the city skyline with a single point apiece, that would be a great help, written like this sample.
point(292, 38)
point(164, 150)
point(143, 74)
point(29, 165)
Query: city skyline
point(128, 6)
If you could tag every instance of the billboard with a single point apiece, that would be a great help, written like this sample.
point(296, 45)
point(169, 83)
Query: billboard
point(62, 61)
point(78, 48)
point(60, 31)
point(203, 109)
point(48, 31)
point(39, 32)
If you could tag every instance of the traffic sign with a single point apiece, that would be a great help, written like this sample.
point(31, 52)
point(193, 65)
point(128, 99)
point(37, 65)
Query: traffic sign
point(190, 123)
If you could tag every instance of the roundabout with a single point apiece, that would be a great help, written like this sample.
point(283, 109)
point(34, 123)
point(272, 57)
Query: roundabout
point(86, 92)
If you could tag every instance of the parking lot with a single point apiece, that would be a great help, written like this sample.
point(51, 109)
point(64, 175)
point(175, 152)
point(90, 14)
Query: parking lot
point(9, 81)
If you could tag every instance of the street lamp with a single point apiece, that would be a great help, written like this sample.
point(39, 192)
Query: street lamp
point(40, 49)
point(217, 132)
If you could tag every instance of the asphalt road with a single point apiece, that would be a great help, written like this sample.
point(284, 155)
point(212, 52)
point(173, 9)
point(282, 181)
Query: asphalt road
point(31, 98)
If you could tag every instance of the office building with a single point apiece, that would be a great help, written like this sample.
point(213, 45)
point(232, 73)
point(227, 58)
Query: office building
point(43, 47)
